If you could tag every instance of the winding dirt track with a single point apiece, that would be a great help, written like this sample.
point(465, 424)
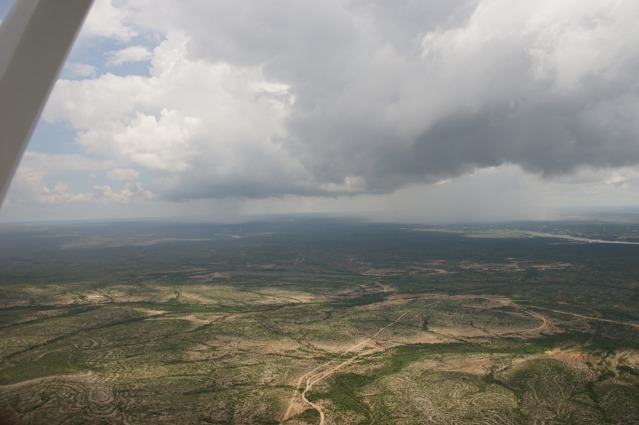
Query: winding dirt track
point(598, 319)
point(327, 369)
point(306, 381)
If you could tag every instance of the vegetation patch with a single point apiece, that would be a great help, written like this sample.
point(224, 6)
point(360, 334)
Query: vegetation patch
point(50, 364)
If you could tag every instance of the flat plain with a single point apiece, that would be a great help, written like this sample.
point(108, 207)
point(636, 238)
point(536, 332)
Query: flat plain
point(318, 321)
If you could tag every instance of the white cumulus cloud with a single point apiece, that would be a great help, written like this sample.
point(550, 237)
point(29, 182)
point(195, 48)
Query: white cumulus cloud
point(110, 19)
point(212, 128)
point(128, 54)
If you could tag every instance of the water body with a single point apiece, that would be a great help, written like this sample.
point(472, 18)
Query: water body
point(575, 238)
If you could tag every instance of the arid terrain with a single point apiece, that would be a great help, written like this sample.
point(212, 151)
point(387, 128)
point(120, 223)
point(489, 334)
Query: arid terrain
point(316, 322)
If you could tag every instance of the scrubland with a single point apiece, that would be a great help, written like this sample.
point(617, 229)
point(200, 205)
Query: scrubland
point(315, 321)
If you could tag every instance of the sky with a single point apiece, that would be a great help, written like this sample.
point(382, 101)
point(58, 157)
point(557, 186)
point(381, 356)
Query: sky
point(410, 111)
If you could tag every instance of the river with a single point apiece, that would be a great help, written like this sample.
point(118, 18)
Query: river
point(575, 238)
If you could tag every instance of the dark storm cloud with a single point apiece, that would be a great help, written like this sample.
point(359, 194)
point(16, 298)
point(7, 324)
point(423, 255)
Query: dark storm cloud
point(392, 93)
point(417, 91)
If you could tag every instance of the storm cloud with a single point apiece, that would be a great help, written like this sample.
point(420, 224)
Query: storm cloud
point(287, 97)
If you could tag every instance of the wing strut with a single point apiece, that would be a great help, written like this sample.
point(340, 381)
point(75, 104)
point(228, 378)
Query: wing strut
point(35, 38)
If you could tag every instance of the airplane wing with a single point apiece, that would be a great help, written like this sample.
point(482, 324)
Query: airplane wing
point(35, 38)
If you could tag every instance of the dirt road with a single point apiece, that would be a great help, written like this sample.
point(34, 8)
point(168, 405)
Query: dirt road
point(327, 369)
point(599, 319)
